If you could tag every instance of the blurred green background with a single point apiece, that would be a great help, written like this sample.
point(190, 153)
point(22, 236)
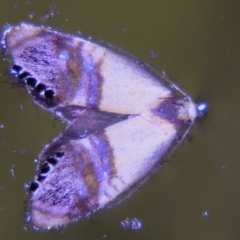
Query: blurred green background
point(196, 194)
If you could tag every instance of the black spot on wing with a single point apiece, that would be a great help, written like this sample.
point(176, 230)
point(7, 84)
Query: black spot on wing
point(33, 186)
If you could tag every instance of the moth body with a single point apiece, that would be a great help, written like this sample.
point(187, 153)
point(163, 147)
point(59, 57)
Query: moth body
point(121, 120)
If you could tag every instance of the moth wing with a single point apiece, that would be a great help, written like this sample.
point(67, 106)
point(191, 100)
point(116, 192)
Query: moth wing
point(138, 145)
point(61, 69)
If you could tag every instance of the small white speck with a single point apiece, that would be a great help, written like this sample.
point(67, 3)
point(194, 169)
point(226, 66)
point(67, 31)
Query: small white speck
point(23, 151)
point(25, 186)
point(25, 229)
point(153, 54)
point(50, 13)
point(134, 223)
point(63, 55)
point(31, 15)
point(202, 106)
point(12, 171)
point(223, 168)
point(205, 213)
point(41, 93)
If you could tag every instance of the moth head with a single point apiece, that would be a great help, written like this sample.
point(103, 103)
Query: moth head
point(41, 61)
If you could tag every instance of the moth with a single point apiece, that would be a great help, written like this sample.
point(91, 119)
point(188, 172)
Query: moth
point(122, 120)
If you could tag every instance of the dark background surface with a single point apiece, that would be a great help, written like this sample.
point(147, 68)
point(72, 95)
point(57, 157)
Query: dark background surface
point(196, 194)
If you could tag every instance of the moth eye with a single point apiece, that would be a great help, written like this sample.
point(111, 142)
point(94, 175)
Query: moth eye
point(31, 82)
point(16, 68)
point(45, 168)
point(59, 154)
point(33, 186)
point(24, 75)
point(49, 94)
point(40, 178)
point(40, 87)
point(52, 160)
